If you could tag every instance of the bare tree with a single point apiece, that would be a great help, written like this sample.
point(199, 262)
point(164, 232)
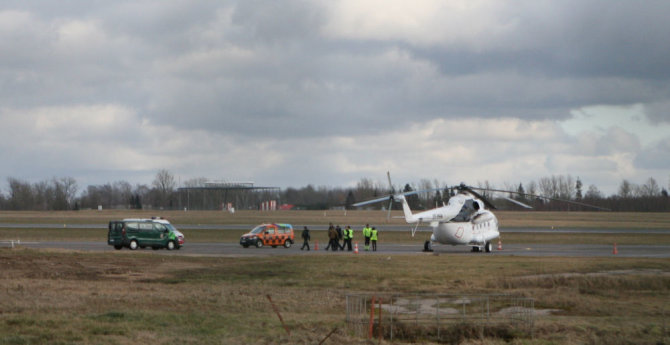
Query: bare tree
point(593, 193)
point(195, 182)
point(625, 189)
point(546, 187)
point(532, 187)
point(650, 188)
point(164, 184)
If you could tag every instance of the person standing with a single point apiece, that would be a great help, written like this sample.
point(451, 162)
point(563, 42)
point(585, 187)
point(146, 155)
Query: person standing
point(339, 237)
point(305, 239)
point(373, 239)
point(367, 232)
point(332, 238)
point(348, 236)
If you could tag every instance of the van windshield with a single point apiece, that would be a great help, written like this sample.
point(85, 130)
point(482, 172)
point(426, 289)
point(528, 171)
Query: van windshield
point(258, 229)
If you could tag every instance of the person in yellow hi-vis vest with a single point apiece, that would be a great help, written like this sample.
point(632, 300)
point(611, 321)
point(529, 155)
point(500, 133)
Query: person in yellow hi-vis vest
point(367, 232)
point(348, 237)
point(373, 238)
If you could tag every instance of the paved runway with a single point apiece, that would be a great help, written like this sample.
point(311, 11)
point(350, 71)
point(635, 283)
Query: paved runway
point(235, 250)
point(394, 227)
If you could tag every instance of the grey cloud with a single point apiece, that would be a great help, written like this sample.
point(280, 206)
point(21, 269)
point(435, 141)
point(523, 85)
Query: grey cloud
point(655, 157)
point(278, 22)
point(247, 69)
point(560, 56)
point(658, 112)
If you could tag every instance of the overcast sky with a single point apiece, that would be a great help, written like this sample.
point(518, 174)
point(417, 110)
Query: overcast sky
point(291, 93)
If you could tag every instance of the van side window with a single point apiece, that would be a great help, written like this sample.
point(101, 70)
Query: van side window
point(146, 226)
point(281, 230)
point(132, 227)
point(270, 231)
point(159, 227)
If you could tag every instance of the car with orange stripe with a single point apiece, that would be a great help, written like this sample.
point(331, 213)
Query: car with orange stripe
point(275, 234)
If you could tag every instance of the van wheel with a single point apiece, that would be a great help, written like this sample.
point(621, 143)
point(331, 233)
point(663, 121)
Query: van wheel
point(259, 243)
point(170, 245)
point(133, 245)
point(287, 244)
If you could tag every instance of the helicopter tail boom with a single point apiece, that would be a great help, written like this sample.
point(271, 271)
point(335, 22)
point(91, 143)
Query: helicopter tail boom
point(409, 216)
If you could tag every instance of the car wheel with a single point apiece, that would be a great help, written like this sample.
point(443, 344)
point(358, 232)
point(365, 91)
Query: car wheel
point(133, 245)
point(118, 247)
point(287, 244)
point(259, 243)
point(170, 245)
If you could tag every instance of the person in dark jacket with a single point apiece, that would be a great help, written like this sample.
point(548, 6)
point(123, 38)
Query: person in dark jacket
point(305, 239)
point(332, 238)
point(339, 237)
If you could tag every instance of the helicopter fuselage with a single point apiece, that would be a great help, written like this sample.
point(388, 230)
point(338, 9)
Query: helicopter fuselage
point(481, 229)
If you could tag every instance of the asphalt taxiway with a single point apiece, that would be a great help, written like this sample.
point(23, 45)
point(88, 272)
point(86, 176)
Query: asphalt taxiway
point(661, 250)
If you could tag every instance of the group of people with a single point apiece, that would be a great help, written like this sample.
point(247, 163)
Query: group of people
point(346, 235)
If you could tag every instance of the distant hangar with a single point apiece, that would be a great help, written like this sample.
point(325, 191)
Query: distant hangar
point(217, 195)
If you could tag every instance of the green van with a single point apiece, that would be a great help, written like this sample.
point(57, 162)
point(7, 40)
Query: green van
point(141, 233)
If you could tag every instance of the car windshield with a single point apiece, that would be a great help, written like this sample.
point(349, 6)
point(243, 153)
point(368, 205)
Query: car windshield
point(258, 229)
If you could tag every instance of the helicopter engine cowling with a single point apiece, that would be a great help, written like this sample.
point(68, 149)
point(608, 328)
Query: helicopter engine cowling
point(482, 217)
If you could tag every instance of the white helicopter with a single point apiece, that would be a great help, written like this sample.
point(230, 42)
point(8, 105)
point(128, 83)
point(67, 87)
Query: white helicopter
point(464, 220)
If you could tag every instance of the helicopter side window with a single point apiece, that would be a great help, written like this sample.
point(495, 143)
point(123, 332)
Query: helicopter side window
point(468, 209)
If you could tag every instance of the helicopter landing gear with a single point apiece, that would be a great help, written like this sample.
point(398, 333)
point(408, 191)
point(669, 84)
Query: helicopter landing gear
point(487, 247)
point(427, 247)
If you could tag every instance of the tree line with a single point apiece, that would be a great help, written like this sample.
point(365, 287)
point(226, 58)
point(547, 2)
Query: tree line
point(62, 194)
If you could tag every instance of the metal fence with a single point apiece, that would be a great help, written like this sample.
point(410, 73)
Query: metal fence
point(438, 316)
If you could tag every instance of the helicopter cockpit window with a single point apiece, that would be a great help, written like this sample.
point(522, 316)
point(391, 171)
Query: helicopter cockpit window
point(469, 208)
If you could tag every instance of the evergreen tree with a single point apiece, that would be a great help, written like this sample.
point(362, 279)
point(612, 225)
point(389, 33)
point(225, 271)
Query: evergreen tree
point(412, 200)
point(578, 187)
point(350, 200)
point(521, 196)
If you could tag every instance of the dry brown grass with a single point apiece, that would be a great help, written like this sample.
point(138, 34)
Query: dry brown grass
point(62, 297)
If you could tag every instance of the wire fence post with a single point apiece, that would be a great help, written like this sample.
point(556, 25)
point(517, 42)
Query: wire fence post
point(425, 315)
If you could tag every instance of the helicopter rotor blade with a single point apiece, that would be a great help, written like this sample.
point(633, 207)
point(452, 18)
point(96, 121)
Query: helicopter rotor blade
point(517, 202)
point(373, 201)
point(541, 197)
point(470, 190)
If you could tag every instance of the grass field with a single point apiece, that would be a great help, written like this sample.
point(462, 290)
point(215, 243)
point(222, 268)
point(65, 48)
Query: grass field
point(541, 220)
point(608, 220)
point(62, 297)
